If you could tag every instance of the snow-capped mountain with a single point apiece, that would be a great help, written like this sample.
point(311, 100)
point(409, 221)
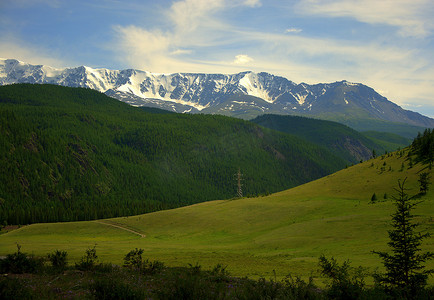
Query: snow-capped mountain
point(245, 94)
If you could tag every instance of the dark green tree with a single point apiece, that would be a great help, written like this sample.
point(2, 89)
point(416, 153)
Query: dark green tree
point(374, 198)
point(424, 182)
point(423, 146)
point(405, 268)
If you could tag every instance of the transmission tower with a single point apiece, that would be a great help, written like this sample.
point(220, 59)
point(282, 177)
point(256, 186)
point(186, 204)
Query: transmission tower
point(239, 178)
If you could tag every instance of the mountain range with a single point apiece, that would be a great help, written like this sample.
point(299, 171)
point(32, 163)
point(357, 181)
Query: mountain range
point(244, 95)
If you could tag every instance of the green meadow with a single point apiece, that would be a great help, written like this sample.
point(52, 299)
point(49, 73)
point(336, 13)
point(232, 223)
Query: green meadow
point(276, 235)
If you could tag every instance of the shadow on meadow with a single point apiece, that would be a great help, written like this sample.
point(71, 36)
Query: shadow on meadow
point(29, 277)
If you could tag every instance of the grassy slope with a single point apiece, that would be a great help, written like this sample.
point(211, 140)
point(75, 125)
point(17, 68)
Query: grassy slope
point(285, 232)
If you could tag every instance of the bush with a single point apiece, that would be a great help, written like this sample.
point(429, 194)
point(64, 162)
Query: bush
point(20, 262)
point(152, 268)
point(88, 261)
point(343, 284)
point(219, 273)
point(12, 289)
point(299, 289)
point(189, 285)
point(261, 289)
point(112, 289)
point(106, 268)
point(58, 259)
point(134, 261)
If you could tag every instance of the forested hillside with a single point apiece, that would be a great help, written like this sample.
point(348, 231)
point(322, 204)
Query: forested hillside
point(75, 154)
point(338, 138)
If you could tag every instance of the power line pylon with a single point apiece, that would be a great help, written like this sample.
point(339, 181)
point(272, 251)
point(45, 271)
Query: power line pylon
point(239, 185)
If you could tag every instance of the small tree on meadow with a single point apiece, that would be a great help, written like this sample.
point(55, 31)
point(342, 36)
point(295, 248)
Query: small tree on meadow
point(374, 198)
point(404, 265)
point(424, 182)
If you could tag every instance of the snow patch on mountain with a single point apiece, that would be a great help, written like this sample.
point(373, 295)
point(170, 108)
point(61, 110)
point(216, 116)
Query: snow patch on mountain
point(253, 87)
point(191, 92)
point(350, 83)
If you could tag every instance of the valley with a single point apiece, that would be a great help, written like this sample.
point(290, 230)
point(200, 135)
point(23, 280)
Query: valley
point(86, 172)
point(285, 232)
point(216, 150)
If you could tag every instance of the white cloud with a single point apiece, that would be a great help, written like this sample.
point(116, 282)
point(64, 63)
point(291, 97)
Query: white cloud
point(293, 30)
point(181, 52)
point(413, 18)
point(193, 26)
point(196, 27)
point(187, 15)
point(242, 59)
point(252, 3)
point(12, 47)
point(141, 48)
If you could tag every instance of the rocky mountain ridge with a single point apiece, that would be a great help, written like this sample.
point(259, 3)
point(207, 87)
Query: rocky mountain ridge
point(245, 94)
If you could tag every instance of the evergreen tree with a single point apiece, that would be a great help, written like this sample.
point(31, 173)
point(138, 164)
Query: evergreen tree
point(404, 266)
point(424, 181)
point(423, 146)
point(374, 198)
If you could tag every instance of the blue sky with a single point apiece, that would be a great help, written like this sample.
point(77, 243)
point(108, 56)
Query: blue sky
point(387, 44)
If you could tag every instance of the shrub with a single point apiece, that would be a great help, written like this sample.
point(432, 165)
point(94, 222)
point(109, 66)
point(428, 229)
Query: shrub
point(189, 284)
point(88, 261)
point(219, 273)
point(343, 284)
point(134, 261)
point(106, 268)
point(196, 269)
point(12, 289)
point(299, 289)
point(154, 267)
point(19, 262)
point(58, 259)
point(112, 289)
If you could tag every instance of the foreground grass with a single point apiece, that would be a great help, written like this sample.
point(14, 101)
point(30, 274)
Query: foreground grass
point(256, 237)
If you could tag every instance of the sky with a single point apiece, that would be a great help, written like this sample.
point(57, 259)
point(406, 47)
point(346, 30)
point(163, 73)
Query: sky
point(387, 44)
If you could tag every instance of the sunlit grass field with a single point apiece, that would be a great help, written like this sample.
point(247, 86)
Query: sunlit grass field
point(269, 237)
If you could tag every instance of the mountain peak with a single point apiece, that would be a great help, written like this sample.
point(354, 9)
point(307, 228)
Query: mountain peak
point(233, 94)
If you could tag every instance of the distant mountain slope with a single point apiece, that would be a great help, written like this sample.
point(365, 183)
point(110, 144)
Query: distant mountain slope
point(388, 140)
point(340, 139)
point(244, 95)
point(76, 154)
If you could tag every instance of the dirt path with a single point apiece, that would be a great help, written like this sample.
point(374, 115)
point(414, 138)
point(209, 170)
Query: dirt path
point(120, 227)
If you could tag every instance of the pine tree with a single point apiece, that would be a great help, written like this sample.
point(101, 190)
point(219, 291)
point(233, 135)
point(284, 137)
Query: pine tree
point(424, 181)
point(404, 266)
point(374, 198)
